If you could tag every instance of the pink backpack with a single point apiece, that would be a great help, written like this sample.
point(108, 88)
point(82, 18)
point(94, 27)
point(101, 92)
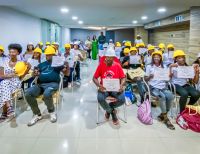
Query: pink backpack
point(189, 119)
point(144, 113)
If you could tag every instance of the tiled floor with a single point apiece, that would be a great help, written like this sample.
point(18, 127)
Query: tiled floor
point(76, 131)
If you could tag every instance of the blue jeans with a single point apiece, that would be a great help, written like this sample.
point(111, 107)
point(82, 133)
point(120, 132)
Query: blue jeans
point(184, 92)
point(165, 98)
point(47, 89)
point(101, 97)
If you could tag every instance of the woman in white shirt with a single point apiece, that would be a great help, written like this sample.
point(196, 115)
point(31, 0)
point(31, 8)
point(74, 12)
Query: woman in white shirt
point(148, 58)
point(159, 88)
point(183, 88)
point(29, 51)
point(168, 56)
point(3, 58)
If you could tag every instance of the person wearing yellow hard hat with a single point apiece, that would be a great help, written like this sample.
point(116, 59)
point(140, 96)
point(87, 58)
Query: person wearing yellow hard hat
point(168, 56)
point(161, 47)
point(135, 59)
point(148, 56)
point(118, 49)
point(47, 44)
point(69, 58)
point(48, 78)
point(40, 45)
point(3, 57)
point(183, 88)
point(127, 44)
point(10, 83)
point(125, 59)
point(159, 88)
point(56, 45)
point(29, 51)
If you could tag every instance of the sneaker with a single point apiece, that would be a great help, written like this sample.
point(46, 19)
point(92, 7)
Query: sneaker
point(69, 85)
point(107, 116)
point(34, 120)
point(53, 117)
point(3, 117)
point(114, 118)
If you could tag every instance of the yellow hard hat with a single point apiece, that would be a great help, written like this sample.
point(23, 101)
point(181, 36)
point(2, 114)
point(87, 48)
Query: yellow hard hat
point(38, 50)
point(128, 44)
point(50, 50)
point(157, 53)
point(170, 46)
point(48, 43)
point(179, 53)
point(126, 50)
point(133, 49)
point(142, 44)
point(161, 45)
point(53, 43)
point(118, 44)
point(67, 45)
point(151, 48)
point(1, 48)
point(40, 43)
point(20, 68)
point(137, 45)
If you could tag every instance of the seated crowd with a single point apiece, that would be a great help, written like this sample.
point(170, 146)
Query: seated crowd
point(36, 64)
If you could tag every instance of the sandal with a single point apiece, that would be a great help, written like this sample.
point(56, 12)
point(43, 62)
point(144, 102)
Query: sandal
point(3, 117)
point(169, 124)
point(161, 117)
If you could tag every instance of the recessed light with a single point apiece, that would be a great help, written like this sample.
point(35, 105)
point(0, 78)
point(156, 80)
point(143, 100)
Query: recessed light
point(144, 17)
point(134, 21)
point(64, 10)
point(80, 22)
point(162, 10)
point(74, 18)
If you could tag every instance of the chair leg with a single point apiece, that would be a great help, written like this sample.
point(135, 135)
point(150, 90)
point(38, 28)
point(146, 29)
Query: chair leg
point(125, 114)
point(15, 110)
point(97, 113)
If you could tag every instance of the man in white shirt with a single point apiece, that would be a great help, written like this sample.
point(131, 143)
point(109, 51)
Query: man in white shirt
point(138, 39)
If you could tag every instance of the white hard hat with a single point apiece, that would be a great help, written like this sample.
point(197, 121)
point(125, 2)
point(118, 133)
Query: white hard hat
point(30, 43)
point(110, 40)
point(76, 43)
point(110, 52)
point(138, 35)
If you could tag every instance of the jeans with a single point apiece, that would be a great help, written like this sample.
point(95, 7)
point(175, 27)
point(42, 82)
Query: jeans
point(184, 92)
point(141, 89)
point(29, 81)
point(47, 89)
point(101, 97)
point(165, 98)
point(89, 53)
point(77, 70)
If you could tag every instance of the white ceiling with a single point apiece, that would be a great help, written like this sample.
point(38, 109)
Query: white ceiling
point(112, 13)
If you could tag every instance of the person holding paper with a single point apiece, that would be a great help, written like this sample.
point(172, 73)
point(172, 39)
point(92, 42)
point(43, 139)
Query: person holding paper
point(48, 79)
point(78, 57)
point(148, 58)
point(3, 58)
point(183, 88)
point(34, 62)
point(69, 58)
point(118, 49)
point(159, 88)
point(168, 56)
point(110, 70)
point(126, 58)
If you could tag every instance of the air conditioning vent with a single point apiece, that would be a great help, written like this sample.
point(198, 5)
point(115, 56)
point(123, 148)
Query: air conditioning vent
point(179, 18)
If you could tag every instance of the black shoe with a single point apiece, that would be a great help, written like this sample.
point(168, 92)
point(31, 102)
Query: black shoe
point(114, 118)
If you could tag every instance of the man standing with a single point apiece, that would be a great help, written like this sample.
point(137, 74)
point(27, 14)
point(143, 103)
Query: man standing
point(138, 39)
point(102, 39)
point(88, 44)
point(108, 69)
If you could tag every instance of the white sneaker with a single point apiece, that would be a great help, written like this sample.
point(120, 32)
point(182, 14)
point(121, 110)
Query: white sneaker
point(69, 85)
point(53, 117)
point(34, 120)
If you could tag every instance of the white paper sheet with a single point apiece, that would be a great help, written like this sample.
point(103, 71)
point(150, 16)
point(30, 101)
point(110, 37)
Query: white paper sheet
point(161, 74)
point(57, 61)
point(142, 50)
point(28, 56)
point(134, 59)
point(33, 63)
point(111, 84)
point(186, 72)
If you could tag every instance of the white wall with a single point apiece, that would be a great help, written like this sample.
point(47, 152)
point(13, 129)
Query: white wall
point(65, 35)
point(17, 27)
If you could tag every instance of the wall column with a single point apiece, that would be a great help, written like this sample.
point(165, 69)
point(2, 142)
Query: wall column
point(143, 32)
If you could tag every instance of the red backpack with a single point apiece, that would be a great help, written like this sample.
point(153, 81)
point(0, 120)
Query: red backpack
point(189, 119)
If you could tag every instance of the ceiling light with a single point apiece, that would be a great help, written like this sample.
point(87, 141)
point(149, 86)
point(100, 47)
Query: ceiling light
point(162, 10)
point(144, 17)
point(134, 21)
point(64, 10)
point(80, 22)
point(74, 18)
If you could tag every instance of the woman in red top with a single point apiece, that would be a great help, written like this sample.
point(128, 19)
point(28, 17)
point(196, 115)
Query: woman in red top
point(109, 69)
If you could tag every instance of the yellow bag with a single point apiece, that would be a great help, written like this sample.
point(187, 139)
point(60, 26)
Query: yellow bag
point(133, 73)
